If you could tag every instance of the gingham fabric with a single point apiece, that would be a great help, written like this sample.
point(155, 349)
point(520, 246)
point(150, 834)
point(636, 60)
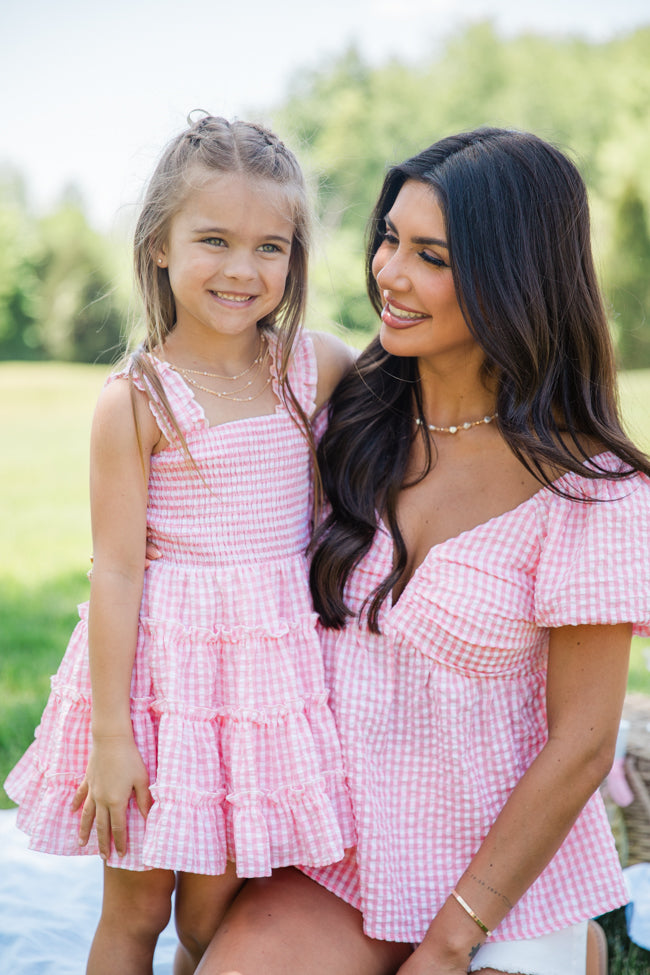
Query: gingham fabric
point(229, 707)
point(441, 714)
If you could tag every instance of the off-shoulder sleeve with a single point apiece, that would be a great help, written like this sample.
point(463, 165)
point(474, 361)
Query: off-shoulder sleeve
point(595, 558)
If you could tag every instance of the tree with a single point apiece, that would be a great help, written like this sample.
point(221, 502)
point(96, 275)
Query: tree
point(80, 315)
point(348, 120)
point(629, 279)
point(18, 283)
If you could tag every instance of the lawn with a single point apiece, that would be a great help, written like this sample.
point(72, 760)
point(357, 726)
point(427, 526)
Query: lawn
point(46, 411)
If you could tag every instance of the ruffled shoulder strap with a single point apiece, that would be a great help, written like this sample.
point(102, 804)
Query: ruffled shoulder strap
point(302, 372)
point(188, 414)
point(594, 565)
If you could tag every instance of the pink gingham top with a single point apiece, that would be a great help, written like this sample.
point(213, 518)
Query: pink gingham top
point(229, 707)
point(441, 714)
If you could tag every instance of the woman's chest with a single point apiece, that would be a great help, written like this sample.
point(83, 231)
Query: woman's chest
point(455, 498)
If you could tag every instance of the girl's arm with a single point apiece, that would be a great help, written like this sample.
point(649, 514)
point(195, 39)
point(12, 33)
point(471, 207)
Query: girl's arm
point(333, 358)
point(119, 467)
point(587, 675)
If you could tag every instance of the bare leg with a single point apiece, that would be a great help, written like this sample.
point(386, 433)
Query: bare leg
point(596, 950)
point(288, 923)
point(201, 903)
point(135, 909)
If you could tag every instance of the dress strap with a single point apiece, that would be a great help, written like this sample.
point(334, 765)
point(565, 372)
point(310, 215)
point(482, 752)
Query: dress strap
point(188, 414)
point(302, 372)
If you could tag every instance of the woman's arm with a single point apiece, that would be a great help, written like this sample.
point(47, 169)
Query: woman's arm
point(587, 675)
point(119, 468)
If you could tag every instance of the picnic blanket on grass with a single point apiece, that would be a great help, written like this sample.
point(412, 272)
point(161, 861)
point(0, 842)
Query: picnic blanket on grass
point(49, 908)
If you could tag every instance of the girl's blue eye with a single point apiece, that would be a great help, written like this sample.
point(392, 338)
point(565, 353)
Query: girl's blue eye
point(269, 248)
point(215, 241)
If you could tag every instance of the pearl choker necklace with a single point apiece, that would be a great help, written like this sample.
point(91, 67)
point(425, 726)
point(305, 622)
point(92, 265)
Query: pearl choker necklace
point(461, 426)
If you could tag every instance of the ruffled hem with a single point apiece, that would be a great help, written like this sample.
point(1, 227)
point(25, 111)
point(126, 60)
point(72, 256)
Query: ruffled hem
point(263, 787)
point(257, 831)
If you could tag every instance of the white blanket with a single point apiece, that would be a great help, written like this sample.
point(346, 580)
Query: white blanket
point(49, 908)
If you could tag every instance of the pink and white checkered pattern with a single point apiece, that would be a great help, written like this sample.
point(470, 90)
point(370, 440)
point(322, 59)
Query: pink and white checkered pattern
point(441, 714)
point(229, 706)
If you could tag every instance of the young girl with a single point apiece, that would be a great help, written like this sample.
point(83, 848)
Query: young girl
point(189, 717)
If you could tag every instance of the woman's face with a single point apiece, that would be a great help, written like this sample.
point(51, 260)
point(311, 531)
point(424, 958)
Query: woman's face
point(421, 315)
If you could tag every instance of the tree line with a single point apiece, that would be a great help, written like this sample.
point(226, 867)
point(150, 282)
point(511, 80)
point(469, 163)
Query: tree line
point(62, 295)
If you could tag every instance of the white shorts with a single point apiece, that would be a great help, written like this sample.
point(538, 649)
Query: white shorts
point(562, 951)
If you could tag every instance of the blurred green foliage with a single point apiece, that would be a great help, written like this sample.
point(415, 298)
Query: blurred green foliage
point(349, 121)
point(62, 295)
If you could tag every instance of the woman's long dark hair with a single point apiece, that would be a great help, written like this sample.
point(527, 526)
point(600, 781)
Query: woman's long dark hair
point(518, 231)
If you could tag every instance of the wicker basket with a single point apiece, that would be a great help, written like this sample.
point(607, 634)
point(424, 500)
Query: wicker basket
point(636, 816)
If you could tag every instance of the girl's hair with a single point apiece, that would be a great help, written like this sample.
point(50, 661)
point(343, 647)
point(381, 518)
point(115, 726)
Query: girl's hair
point(517, 224)
point(210, 146)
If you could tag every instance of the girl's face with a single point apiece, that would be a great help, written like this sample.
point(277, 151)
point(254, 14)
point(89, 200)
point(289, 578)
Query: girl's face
point(421, 315)
point(227, 254)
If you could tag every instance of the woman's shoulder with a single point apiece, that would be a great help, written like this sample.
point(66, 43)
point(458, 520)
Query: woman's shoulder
point(595, 535)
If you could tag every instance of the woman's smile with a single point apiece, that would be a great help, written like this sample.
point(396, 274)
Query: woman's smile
point(396, 315)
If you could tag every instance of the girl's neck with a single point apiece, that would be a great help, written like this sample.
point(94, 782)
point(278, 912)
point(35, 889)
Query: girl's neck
point(225, 354)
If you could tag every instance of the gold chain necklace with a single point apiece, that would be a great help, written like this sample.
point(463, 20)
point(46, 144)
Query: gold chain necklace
point(260, 361)
point(261, 355)
point(230, 396)
point(467, 425)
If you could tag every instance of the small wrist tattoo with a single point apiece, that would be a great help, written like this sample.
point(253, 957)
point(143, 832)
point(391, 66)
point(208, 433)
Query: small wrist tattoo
point(474, 951)
point(492, 890)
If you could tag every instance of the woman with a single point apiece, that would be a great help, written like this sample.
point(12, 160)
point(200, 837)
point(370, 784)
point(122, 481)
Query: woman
point(478, 578)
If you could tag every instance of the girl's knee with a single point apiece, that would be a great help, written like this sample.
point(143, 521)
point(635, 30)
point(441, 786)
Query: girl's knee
point(140, 900)
point(201, 903)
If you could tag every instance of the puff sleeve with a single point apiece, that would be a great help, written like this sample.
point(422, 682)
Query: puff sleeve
point(595, 560)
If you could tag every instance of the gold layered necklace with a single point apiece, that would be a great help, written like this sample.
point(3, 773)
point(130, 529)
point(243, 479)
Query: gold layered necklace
point(259, 361)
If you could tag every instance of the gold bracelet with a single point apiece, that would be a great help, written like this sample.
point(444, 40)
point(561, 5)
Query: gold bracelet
point(468, 910)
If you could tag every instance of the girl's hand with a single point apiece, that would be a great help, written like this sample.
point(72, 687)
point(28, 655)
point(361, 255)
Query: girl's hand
point(115, 771)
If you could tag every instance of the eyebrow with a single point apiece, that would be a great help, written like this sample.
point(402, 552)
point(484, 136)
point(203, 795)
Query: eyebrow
point(219, 231)
point(426, 241)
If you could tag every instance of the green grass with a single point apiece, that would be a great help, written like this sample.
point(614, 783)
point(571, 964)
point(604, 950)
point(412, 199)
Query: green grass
point(45, 415)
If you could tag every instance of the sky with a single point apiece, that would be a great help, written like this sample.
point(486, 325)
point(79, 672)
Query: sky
point(92, 91)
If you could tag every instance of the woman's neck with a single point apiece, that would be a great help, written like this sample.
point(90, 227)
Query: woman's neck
point(455, 398)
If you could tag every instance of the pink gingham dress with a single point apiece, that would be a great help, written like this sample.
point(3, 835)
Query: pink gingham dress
point(229, 707)
point(441, 714)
